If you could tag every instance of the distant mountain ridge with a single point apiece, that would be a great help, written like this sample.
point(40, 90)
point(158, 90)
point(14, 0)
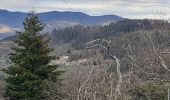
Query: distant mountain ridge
point(15, 19)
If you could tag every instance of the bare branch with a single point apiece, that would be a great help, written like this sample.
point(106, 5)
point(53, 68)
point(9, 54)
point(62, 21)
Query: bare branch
point(160, 58)
point(117, 90)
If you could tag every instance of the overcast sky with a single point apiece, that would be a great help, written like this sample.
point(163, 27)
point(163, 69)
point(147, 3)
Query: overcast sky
point(125, 8)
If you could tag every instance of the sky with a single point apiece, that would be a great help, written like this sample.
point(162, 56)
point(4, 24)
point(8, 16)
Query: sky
point(157, 9)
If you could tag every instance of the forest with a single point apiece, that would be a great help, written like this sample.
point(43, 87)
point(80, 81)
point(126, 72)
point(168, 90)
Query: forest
point(125, 60)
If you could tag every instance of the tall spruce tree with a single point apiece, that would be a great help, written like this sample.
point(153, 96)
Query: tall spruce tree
point(30, 70)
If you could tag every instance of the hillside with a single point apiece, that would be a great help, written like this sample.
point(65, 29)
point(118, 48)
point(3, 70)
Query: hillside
point(85, 50)
point(78, 35)
point(141, 69)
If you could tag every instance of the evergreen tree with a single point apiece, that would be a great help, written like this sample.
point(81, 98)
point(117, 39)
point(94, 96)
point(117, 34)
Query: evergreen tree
point(30, 70)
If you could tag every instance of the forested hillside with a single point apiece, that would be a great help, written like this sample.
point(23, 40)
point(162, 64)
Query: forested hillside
point(85, 50)
point(126, 60)
point(79, 34)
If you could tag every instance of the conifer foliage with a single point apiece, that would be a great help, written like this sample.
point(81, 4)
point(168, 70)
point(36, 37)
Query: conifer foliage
point(30, 70)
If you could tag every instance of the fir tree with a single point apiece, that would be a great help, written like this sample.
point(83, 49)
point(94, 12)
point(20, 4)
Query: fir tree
point(30, 70)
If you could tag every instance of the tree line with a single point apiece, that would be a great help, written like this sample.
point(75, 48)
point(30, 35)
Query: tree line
point(79, 34)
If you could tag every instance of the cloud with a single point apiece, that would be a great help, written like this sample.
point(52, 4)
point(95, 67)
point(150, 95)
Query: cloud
point(125, 8)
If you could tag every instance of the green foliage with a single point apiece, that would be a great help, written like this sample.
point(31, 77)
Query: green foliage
point(30, 70)
point(150, 92)
point(78, 35)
